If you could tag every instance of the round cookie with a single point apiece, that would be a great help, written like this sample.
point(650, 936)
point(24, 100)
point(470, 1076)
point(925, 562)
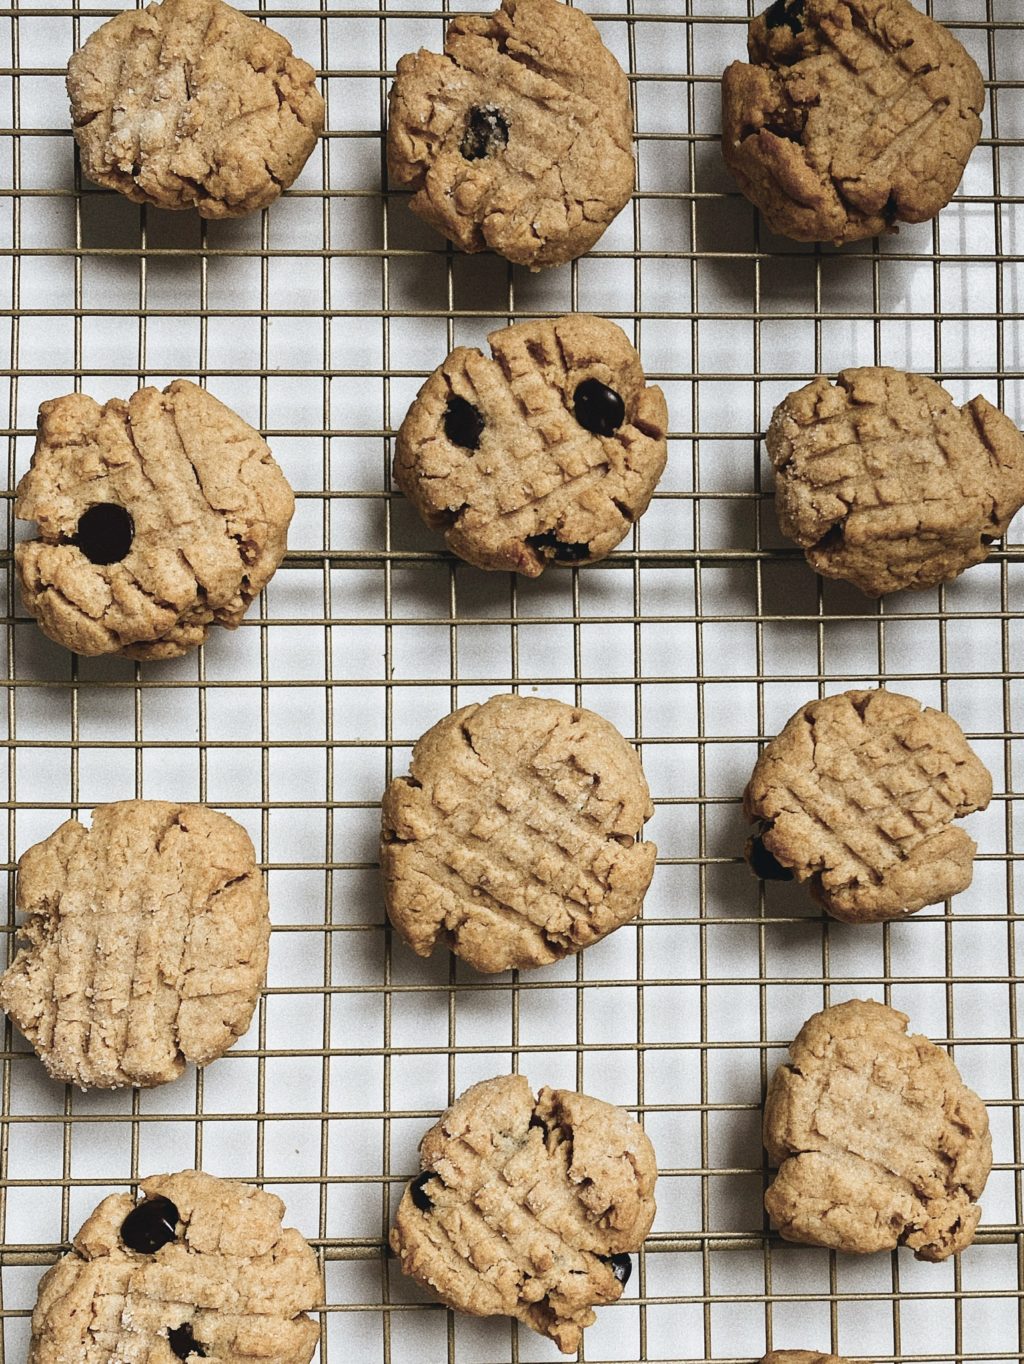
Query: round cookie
point(528, 1207)
point(515, 839)
point(856, 797)
point(200, 1268)
point(807, 1357)
point(158, 517)
point(145, 944)
point(519, 138)
point(545, 453)
point(852, 115)
point(885, 482)
point(879, 1142)
point(189, 104)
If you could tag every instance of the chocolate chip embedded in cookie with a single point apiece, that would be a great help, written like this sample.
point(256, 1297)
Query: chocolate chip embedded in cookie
point(190, 104)
point(807, 1357)
point(886, 483)
point(545, 453)
point(516, 836)
point(145, 944)
point(528, 1207)
point(852, 115)
point(200, 1268)
point(878, 1141)
point(158, 517)
point(857, 796)
point(519, 138)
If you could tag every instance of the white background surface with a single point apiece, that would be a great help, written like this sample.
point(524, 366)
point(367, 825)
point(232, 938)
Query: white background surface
point(699, 638)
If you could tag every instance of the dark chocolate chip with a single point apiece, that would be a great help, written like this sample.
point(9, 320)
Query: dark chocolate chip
point(184, 1344)
point(486, 133)
point(105, 533)
point(463, 424)
point(420, 1196)
point(763, 864)
point(598, 408)
point(562, 551)
point(621, 1265)
point(891, 208)
point(150, 1224)
point(785, 12)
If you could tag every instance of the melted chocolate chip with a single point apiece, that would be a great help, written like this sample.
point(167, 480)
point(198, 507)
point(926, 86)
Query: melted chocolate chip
point(763, 864)
point(486, 133)
point(150, 1224)
point(419, 1194)
point(184, 1344)
point(785, 12)
point(598, 408)
point(538, 1122)
point(463, 424)
point(562, 551)
point(891, 208)
point(105, 533)
point(622, 1267)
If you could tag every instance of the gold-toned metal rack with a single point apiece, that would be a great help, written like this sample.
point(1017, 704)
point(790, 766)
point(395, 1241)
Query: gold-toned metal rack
point(317, 321)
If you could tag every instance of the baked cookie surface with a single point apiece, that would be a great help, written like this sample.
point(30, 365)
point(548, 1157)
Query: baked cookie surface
point(851, 115)
point(157, 518)
point(190, 104)
point(856, 797)
point(518, 138)
point(878, 1141)
point(199, 1268)
point(807, 1357)
point(886, 483)
point(545, 452)
point(145, 943)
point(528, 1206)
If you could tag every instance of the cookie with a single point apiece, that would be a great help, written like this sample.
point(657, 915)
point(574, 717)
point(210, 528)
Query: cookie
point(199, 1268)
point(189, 104)
point(885, 482)
point(547, 452)
point(516, 837)
point(157, 518)
point(851, 116)
point(857, 796)
point(145, 943)
point(528, 1207)
point(878, 1141)
point(807, 1357)
point(519, 138)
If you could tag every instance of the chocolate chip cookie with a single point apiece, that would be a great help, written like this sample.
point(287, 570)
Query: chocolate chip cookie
point(878, 1141)
point(190, 104)
point(518, 138)
point(857, 796)
point(199, 1268)
point(158, 517)
point(528, 1206)
point(516, 837)
point(885, 482)
point(807, 1357)
point(546, 452)
point(145, 944)
point(851, 116)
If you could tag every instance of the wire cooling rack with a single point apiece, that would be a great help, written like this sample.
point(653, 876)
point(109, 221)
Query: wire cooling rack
point(318, 321)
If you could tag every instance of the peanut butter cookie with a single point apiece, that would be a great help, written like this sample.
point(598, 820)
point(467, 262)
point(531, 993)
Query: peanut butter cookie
point(528, 1207)
point(519, 138)
point(879, 1142)
point(545, 453)
point(852, 115)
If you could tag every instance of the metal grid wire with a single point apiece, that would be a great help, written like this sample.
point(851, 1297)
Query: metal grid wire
point(317, 321)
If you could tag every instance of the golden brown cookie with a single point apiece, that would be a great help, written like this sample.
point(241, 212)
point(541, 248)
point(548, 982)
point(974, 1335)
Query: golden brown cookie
point(190, 104)
point(519, 138)
point(878, 1141)
point(885, 482)
point(545, 453)
point(145, 943)
point(528, 1207)
point(807, 1357)
point(158, 517)
point(200, 1268)
point(516, 837)
point(852, 115)
point(857, 796)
